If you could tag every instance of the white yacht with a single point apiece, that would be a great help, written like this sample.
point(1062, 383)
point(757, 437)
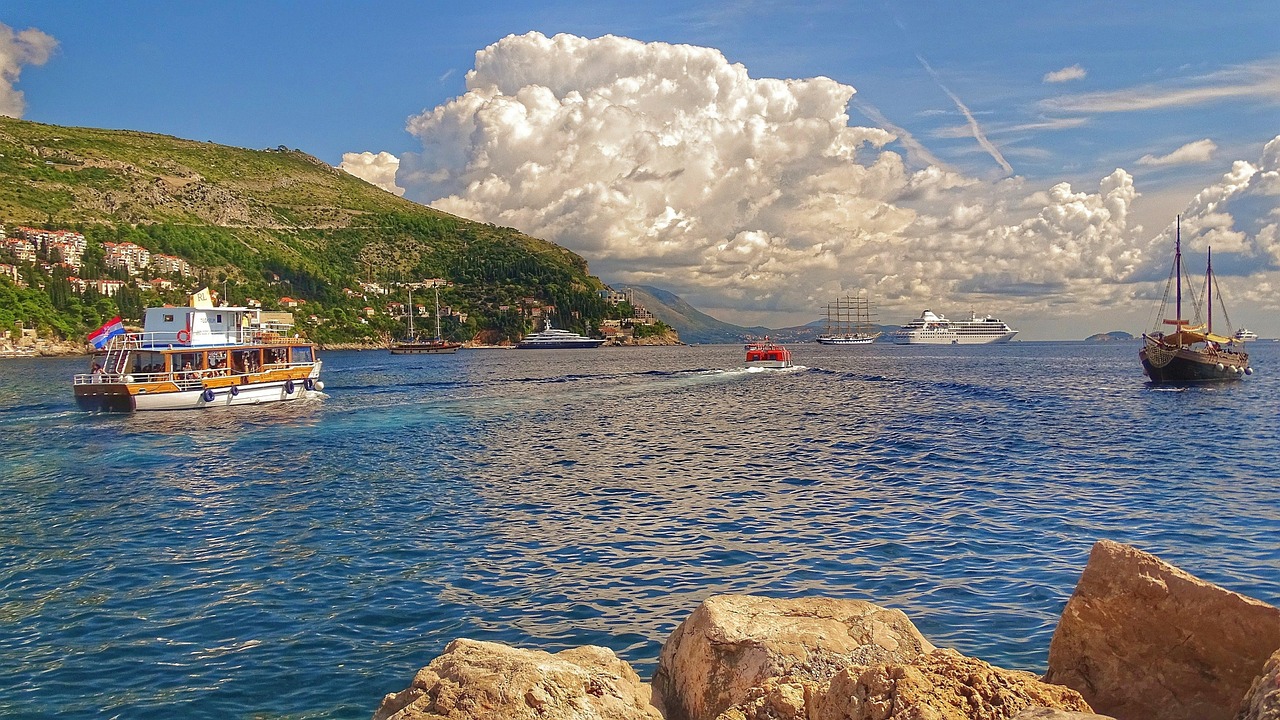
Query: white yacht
point(1244, 334)
point(931, 329)
point(550, 338)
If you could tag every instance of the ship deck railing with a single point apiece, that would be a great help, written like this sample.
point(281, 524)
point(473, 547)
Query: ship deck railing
point(191, 379)
point(174, 338)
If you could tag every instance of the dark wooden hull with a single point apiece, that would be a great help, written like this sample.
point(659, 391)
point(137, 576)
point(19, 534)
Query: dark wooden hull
point(1187, 366)
point(424, 348)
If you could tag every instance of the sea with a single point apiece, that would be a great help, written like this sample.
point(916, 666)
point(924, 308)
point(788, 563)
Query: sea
point(303, 559)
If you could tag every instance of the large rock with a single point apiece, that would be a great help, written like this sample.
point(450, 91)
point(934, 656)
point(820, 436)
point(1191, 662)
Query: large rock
point(732, 643)
point(1262, 702)
point(1043, 713)
point(941, 685)
point(1142, 640)
point(475, 680)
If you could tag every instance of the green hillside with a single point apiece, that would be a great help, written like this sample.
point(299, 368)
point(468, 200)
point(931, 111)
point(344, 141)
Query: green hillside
point(262, 224)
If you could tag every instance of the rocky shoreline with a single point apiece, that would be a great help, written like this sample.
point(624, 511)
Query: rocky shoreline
point(1138, 640)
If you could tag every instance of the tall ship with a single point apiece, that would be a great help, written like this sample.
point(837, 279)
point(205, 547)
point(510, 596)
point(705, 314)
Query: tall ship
point(550, 338)
point(197, 357)
point(411, 344)
point(931, 329)
point(849, 322)
point(1191, 352)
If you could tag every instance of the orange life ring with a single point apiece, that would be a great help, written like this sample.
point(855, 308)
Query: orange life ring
point(184, 336)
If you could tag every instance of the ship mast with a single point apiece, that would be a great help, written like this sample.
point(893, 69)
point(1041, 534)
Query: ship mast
point(1208, 290)
point(438, 314)
point(1177, 270)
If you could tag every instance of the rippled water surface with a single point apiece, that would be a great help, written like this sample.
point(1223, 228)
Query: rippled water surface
point(302, 560)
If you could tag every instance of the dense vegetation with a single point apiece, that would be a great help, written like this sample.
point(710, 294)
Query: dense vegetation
point(264, 224)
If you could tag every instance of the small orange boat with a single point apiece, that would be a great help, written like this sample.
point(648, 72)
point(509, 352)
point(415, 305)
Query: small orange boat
point(768, 354)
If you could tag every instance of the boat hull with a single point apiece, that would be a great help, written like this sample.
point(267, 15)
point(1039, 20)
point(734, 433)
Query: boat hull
point(560, 345)
point(854, 340)
point(424, 349)
point(119, 397)
point(951, 338)
point(772, 364)
point(1186, 366)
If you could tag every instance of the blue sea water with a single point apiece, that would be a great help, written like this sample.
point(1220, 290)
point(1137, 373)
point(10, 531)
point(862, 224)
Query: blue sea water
point(301, 560)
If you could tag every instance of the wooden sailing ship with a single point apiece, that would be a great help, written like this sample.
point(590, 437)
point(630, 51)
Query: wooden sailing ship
point(849, 322)
point(411, 344)
point(1191, 352)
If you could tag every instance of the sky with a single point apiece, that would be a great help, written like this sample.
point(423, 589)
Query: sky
point(758, 158)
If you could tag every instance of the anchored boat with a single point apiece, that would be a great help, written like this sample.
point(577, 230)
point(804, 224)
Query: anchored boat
point(849, 322)
point(1191, 353)
point(195, 357)
point(414, 345)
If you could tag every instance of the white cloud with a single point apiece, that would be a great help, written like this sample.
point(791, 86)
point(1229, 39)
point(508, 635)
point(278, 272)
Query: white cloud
point(1200, 151)
point(668, 165)
point(18, 49)
point(1259, 81)
point(1066, 74)
point(377, 169)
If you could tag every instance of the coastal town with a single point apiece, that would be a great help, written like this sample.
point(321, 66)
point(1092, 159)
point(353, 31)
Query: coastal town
point(127, 270)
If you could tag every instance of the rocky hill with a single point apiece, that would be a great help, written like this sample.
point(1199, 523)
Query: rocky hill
point(264, 224)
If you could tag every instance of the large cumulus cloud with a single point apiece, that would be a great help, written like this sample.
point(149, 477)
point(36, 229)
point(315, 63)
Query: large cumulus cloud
point(669, 165)
point(376, 169)
point(18, 49)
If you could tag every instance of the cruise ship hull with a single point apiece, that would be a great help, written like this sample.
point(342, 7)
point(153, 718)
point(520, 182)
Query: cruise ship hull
point(951, 338)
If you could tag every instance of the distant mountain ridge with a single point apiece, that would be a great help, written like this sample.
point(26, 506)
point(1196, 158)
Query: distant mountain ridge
point(696, 326)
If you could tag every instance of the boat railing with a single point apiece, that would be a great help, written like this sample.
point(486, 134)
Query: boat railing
point(189, 379)
point(184, 338)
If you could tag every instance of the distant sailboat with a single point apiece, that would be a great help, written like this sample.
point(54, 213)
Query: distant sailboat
point(849, 322)
point(1191, 353)
point(414, 345)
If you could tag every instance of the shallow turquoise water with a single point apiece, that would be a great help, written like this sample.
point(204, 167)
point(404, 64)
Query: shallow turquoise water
point(305, 559)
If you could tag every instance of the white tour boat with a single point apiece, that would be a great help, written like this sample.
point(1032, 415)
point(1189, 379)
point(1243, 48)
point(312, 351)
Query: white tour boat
point(1244, 334)
point(931, 329)
point(199, 356)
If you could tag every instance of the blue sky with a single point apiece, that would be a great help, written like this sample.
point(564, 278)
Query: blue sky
point(998, 94)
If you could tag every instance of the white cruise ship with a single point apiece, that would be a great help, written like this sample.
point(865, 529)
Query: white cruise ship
point(931, 329)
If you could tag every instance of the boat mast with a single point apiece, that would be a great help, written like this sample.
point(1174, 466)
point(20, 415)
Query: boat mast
point(1208, 290)
point(410, 312)
point(1177, 270)
point(438, 314)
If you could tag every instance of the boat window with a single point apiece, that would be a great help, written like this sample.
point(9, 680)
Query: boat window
point(246, 361)
point(148, 362)
point(168, 317)
point(302, 354)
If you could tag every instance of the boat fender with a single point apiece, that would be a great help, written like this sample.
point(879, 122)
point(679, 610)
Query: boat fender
point(319, 384)
point(184, 336)
point(309, 384)
point(207, 395)
point(1248, 371)
point(128, 378)
point(288, 387)
point(234, 391)
point(1219, 366)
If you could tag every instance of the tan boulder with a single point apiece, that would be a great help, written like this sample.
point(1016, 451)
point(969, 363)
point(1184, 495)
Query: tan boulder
point(1044, 713)
point(1262, 702)
point(1142, 640)
point(941, 685)
point(732, 643)
point(474, 680)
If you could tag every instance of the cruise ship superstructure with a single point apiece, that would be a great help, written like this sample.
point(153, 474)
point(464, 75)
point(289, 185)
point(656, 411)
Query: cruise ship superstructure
point(931, 329)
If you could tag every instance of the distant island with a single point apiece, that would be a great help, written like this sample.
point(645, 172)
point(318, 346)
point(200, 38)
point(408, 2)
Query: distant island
point(1113, 336)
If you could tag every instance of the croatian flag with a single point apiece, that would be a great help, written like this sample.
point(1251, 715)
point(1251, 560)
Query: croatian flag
point(103, 335)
